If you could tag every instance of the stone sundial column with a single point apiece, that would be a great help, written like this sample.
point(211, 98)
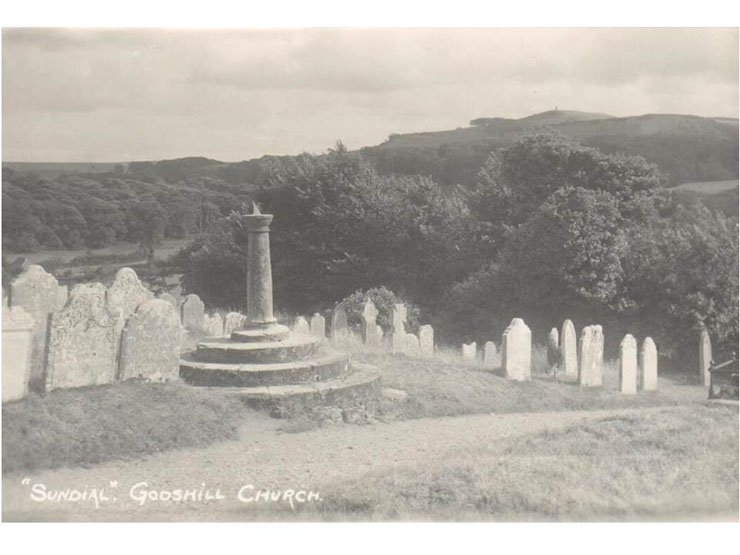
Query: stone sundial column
point(261, 324)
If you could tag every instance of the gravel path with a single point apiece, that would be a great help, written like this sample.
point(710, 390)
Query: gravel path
point(264, 458)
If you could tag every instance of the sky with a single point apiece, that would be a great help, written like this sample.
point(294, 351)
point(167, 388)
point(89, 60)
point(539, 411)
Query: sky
point(115, 95)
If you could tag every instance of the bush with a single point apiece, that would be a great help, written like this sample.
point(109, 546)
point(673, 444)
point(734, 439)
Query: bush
point(384, 301)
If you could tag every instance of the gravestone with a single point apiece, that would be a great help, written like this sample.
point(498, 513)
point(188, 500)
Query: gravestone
point(214, 325)
point(516, 351)
point(649, 365)
point(398, 337)
point(370, 328)
point(412, 346)
point(705, 357)
point(193, 313)
point(126, 293)
point(62, 296)
point(83, 340)
point(301, 326)
point(469, 351)
point(233, 321)
point(169, 298)
point(318, 325)
point(18, 326)
point(591, 357)
point(568, 350)
point(553, 351)
point(426, 341)
point(628, 365)
point(37, 292)
point(489, 354)
point(339, 330)
point(150, 343)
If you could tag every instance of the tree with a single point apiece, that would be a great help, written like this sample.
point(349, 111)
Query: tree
point(146, 223)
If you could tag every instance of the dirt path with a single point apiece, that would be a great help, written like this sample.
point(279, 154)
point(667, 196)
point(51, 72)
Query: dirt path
point(265, 459)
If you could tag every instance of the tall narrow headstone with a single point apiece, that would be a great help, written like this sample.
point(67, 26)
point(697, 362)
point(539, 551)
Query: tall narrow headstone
point(150, 343)
point(83, 340)
point(193, 313)
point(370, 335)
point(426, 341)
point(516, 351)
point(126, 293)
point(628, 365)
point(318, 325)
point(398, 337)
point(339, 329)
point(301, 326)
point(553, 351)
point(489, 354)
point(412, 345)
point(591, 354)
point(469, 351)
point(37, 292)
point(18, 329)
point(705, 357)
point(568, 350)
point(649, 365)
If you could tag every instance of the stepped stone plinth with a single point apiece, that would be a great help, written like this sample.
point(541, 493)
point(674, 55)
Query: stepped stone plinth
point(267, 365)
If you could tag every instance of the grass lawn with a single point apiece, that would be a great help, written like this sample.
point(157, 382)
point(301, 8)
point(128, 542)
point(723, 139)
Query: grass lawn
point(672, 464)
point(78, 427)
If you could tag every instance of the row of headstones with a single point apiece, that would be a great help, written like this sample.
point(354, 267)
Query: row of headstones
point(90, 335)
point(583, 361)
point(372, 334)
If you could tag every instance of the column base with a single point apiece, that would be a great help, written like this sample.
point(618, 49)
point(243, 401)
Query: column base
point(261, 332)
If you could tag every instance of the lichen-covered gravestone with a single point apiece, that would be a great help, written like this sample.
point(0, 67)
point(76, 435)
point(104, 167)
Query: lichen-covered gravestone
point(372, 334)
point(126, 293)
point(705, 357)
point(568, 350)
point(193, 313)
point(469, 351)
point(516, 351)
point(489, 354)
point(426, 341)
point(150, 343)
point(649, 365)
point(628, 365)
point(301, 326)
point(591, 357)
point(83, 340)
point(339, 330)
point(18, 326)
point(37, 292)
point(318, 325)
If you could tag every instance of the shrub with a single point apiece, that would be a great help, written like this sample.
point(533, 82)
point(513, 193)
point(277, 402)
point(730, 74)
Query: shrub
point(384, 301)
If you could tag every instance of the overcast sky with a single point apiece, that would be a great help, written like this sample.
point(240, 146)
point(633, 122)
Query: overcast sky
point(119, 95)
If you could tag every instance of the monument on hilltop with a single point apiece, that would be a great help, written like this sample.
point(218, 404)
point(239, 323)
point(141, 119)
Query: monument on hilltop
point(265, 363)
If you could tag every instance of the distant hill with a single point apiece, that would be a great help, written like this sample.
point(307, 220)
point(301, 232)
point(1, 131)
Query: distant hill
point(687, 148)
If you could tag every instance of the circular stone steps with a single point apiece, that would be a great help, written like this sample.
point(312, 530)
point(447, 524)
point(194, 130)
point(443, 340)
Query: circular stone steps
point(325, 365)
point(360, 387)
point(221, 349)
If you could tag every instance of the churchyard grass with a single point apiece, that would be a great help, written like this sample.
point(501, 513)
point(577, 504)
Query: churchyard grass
point(77, 427)
point(672, 463)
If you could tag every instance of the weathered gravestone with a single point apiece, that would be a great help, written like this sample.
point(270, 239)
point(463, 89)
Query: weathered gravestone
point(469, 351)
point(398, 337)
point(126, 293)
point(705, 357)
point(83, 340)
point(489, 354)
point(568, 350)
point(412, 345)
point(150, 343)
point(591, 357)
point(233, 321)
point(170, 298)
point(628, 365)
point(300, 326)
point(193, 313)
point(516, 351)
point(318, 325)
point(372, 334)
point(426, 341)
point(553, 351)
point(339, 330)
point(213, 325)
point(37, 292)
point(649, 365)
point(18, 329)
